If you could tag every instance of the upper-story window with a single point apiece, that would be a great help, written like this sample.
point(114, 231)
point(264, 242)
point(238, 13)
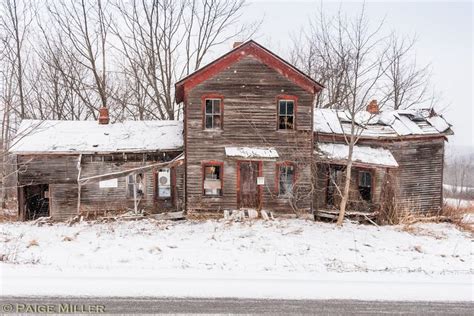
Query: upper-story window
point(286, 112)
point(213, 113)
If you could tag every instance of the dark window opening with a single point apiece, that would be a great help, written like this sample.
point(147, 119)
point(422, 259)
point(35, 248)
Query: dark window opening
point(286, 177)
point(335, 180)
point(212, 180)
point(365, 185)
point(213, 114)
point(286, 114)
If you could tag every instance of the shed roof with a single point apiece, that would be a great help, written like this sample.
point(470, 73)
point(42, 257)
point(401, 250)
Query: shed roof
point(386, 124)
point(49, 136)
point(249, 48)
point(339, 153)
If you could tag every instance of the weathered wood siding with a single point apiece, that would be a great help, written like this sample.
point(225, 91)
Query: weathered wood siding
point(420, 175)
point(47, 169)
point(62, 201)
point(250, 91)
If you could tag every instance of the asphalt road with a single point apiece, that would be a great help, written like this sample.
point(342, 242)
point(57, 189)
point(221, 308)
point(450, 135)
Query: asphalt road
point(150, 305)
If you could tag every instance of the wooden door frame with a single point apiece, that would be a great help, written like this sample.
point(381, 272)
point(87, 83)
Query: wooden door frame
point(259, 187)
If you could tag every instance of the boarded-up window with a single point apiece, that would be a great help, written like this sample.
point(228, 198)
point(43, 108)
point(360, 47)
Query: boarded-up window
point(212, 179)
point(365, 185)
point(286, 114)
point(213, 114)
point(286, 179)
point(164, 183)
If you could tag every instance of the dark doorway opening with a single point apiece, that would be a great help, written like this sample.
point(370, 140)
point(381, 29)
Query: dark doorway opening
point(36, 201)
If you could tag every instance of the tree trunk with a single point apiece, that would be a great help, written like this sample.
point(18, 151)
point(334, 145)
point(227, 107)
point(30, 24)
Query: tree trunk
point(347, 185)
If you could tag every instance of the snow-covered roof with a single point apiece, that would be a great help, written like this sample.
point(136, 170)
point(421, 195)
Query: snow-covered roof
point(393, 123)
point(251, 152)
point(91, 137)
point(361, 154)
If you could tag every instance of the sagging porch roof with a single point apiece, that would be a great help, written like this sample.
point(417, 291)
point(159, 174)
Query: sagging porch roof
point(362, 155)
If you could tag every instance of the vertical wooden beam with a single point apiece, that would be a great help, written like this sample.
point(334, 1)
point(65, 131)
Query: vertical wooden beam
point(79, 169)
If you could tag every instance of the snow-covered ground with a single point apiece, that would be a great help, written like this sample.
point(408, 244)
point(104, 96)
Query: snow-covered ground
point(277, 259)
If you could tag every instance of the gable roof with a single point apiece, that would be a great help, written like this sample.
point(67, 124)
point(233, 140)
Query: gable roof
point(386, 124)
point(249, 48)
point(49, 136)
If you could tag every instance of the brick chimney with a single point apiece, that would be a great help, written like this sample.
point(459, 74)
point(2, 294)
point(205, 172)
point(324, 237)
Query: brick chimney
point(373, 107)
point(104, 116)
point(237, 44)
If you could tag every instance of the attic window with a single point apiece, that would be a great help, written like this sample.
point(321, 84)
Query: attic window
point(286, 112)
point(213, 114)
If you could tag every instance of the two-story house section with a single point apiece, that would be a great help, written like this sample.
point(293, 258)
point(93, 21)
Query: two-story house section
point(248, 122)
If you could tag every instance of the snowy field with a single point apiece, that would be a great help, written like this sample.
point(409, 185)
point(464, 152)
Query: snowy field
point(259, 259)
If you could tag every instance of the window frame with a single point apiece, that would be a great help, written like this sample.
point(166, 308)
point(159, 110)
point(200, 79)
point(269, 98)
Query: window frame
point(127, 182)
point(286, 97)
point(360, 172)
point(212, 163)
point(212, 96)
point(277, 177)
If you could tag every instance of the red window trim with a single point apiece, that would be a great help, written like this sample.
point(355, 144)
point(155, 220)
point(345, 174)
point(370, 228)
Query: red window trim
point(289, 97)
point(277, 175)
point(203, 109)
point(205, 164)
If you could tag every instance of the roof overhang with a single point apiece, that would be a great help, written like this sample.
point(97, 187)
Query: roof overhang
point(363, 156)
point(249, 48)
point(252, 153)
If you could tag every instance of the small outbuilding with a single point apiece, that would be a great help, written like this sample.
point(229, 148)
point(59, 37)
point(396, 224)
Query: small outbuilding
point(69, 168)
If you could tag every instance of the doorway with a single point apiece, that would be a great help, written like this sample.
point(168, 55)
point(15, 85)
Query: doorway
point(249, 192)
point(36, 201)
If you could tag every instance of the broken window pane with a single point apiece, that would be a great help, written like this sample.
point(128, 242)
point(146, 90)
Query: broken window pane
point(365, 185)
point(286, 180)
point(212, 180)
point(285, 114)
point(213, 114)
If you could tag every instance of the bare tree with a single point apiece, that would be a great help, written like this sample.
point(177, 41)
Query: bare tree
point(349, 56)
point(406, 83)
point(79, 33)
point(162, 41)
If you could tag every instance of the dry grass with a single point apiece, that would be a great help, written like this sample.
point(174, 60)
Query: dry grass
point(457, 216)
point(32, 243)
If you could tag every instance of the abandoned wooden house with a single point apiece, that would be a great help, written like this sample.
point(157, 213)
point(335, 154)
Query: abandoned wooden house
point(248, 129)
point(397, 161)
point(66, 168)
point(251, 140)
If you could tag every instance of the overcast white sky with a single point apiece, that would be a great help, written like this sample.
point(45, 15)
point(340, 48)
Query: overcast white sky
point(444, 31)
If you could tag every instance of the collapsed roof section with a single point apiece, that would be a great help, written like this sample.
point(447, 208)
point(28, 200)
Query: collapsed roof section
point(390, 124)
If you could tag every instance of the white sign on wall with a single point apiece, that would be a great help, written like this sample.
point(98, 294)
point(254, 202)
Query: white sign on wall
point(260, 180)
point(112, 183)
